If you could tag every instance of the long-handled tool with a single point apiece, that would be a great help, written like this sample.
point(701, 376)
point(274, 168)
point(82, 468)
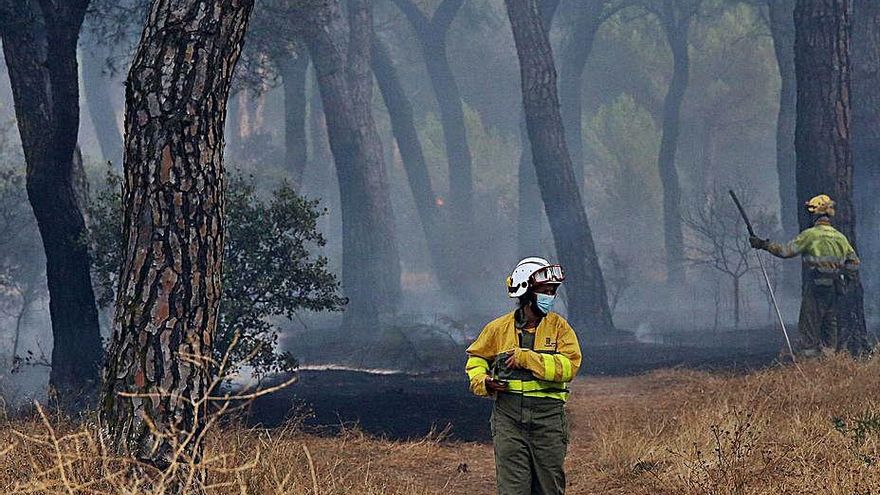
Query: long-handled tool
point(745, 217)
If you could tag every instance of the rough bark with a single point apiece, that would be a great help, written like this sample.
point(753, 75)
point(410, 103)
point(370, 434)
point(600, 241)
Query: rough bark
point(866, 133)
point(782, 29)
point(432, 34)
point(370, 262)
point(403, 127)
point(823, 138)
point(588, 302)
point(39, 44)
point(675, 19)
point(530, 207)
point(293, 70)
point(158, 375)
point(96, 83)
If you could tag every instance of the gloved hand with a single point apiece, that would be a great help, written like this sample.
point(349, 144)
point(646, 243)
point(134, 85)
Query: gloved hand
point(494, 386)
point(759, 243)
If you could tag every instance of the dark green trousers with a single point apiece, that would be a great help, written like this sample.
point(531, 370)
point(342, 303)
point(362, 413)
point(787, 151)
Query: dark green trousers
point(818, 322)
point(530, 436)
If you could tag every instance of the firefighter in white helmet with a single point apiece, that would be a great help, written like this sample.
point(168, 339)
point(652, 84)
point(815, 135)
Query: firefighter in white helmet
point(525, 360)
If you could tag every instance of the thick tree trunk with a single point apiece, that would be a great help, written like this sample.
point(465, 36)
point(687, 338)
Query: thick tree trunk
point(403, 127)
point(588, 301)
point(158, 371)
point(39, 43)
point(574, 56)
point(96, 83)
point(824, 118)
point(677, 35)
point(866, 135)
point(823, 138)
point(370, 263)
point(530, 207)
point(293, 76)
point(782, 30)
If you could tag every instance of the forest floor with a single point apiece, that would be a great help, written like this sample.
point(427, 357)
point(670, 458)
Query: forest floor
point(780, 430)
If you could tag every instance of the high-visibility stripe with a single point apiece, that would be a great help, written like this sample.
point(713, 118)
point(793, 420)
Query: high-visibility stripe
point(549, 366)
point(476, 362)
point(539, 388)
point(476, 366)
point(566, 368)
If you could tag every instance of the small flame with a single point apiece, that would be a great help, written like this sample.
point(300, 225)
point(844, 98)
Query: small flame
point(440, 202)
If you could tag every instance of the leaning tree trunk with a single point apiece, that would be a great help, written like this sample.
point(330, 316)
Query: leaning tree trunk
point(677, 36)
point(403, 127)
point(293, 70)
point(588, 301)
point(158, 371)
point(39, 43)
point(574, 56)
point(432, 33)
point(782, 30)
point(445, 86)
point(370, 261)
point(96, 83)
point(824, 118)
point(866, 134)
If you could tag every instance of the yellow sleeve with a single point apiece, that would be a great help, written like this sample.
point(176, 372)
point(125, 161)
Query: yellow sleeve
point(560, 366)
point(479, 354)
point(793, 248)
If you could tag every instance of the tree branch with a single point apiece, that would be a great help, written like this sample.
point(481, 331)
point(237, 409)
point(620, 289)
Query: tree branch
point(417, 19)
point(445, 14)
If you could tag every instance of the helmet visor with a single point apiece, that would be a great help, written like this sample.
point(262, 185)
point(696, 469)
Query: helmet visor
point(553, 274)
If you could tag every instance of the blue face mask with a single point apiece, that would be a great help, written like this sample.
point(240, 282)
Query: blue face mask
point(545, 302)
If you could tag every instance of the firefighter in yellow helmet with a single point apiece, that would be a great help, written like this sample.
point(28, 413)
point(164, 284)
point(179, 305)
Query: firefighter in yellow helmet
point(830, 264)
point(525, 360)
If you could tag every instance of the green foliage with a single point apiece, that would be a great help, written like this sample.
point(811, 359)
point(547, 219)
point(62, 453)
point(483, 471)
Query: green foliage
point(858, 431)
point(268, 270)
point(625, 143)
point(495, 159)
point(622, 143)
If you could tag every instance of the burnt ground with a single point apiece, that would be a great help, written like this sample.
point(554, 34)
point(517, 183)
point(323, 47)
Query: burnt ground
point(403, 406)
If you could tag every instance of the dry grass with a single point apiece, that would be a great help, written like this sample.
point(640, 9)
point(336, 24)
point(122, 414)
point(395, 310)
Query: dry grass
point(669, 432)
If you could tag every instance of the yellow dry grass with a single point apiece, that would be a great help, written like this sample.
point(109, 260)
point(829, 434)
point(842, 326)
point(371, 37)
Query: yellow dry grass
point(668, 432)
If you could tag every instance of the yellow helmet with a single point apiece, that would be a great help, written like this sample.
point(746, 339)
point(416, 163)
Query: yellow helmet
point(821, 205)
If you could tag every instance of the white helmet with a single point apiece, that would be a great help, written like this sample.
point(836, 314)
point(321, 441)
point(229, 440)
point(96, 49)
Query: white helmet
point(531, 271)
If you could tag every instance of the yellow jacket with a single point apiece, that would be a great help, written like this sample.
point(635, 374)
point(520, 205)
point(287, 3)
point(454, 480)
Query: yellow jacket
point(554, 361)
